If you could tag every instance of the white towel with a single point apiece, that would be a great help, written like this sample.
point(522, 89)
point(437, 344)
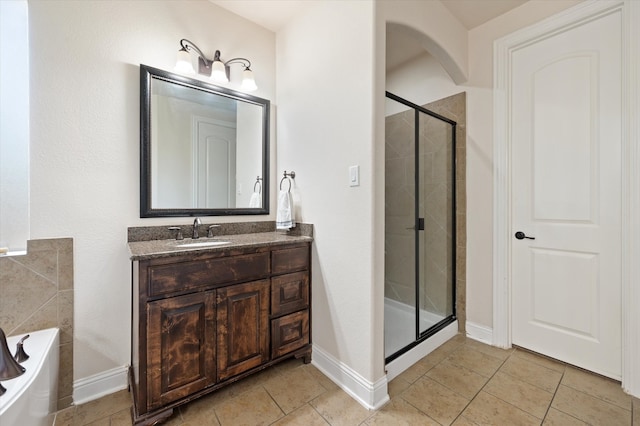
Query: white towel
point(255, 201)
point(284, 216)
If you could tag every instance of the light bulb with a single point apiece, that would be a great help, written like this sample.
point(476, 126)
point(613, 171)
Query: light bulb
point(218, 72)
point(183, 64)
point(248, 82)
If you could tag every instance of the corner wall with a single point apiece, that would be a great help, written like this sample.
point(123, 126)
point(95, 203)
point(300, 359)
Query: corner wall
point(324, 96)
point(330, 95)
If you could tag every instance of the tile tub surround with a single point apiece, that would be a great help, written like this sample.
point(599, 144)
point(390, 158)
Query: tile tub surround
point(37, 293)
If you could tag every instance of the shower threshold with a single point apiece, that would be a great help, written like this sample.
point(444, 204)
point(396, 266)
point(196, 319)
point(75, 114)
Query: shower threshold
point(421, 349)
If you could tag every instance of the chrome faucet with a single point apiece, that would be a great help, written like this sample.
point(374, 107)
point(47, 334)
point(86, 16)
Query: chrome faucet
point(196, 223)
point(210, 232)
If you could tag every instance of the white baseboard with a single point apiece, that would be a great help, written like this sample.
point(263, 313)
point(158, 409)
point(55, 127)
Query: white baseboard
point(406, 360)
point(479, 332)
point(372, 395)
point(101, 384)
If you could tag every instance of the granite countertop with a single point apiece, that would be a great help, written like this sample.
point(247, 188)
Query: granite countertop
point(142, 250)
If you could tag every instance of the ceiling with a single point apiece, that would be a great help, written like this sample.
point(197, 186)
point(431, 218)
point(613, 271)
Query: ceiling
point(472, 13)
point(271, 14)
point(274, 14)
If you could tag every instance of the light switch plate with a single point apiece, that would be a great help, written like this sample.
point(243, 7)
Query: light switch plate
point(354, 176)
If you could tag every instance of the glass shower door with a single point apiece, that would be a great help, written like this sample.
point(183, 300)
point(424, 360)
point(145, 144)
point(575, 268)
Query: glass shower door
point(436, 224)
point(400, 246)
point(419, 225)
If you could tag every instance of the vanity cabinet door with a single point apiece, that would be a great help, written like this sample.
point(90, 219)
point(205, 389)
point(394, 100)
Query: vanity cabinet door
point(180, 347)
point(243, 327)
point(289, 293)
point(289, 333)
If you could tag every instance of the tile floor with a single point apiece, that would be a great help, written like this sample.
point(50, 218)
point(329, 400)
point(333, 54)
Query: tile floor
point(461, 383)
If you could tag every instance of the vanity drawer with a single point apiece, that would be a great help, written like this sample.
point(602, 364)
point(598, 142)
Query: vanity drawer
point(183, 276)
point(290, 260)
point(289, 293)
point(289, 333)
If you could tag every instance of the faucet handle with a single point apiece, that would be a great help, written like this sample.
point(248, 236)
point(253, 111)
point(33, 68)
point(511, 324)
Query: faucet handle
point(210, 231)
point(178, 234)
point(21, 355)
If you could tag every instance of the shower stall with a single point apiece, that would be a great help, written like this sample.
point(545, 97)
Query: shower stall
point(420, 225)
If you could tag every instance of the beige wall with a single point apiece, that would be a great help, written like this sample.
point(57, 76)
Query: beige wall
point(85, 110)
point(37, 293)
point(324, 102)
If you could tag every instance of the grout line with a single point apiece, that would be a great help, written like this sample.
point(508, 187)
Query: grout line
point(554, 395)
point(284, 413)
point(599, 398)
point(319, 413)
point(215, 413)
point(280, 373)
point(38, 273)
point(483, 386)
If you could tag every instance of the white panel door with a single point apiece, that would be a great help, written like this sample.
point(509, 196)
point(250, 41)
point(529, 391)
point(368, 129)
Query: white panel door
point(566, 186)
point(214, 164)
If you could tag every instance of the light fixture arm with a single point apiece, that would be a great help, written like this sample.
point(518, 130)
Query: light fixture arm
point(243, 61)
point(188, 45)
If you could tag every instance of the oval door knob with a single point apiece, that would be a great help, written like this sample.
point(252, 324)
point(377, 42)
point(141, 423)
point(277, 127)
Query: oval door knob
point(521, 236)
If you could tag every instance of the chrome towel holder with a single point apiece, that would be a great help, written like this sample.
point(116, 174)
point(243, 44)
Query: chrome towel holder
point(289, 176)
point(259, 184)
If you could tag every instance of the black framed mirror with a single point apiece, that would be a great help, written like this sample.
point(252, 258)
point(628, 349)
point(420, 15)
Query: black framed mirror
point(204, 149)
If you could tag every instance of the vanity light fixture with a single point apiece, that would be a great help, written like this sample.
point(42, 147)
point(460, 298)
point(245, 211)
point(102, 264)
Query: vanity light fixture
point(217, 69)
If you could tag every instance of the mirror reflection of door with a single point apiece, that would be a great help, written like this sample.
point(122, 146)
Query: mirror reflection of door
point(214, 160)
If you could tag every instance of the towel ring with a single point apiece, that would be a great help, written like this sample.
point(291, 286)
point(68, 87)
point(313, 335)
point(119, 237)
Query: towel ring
point(288, 180)
point(285, 175)
point(258, 179)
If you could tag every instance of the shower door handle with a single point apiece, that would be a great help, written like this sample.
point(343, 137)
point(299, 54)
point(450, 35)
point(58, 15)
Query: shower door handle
point(420, 225)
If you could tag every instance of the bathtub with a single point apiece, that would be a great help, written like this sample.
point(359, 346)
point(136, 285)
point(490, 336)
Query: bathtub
point(33, 396)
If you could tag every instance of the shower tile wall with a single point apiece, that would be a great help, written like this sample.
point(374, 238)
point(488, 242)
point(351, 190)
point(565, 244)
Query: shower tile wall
point(37, 293)
point(400, 199)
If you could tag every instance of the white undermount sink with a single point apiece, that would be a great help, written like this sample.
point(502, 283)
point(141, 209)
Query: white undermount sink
point(199, 244)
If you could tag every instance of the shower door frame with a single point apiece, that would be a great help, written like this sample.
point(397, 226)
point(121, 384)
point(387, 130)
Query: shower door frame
point(422, 336)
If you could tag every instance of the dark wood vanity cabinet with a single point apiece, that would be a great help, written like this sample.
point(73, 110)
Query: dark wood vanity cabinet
point(243, 327)
point(204, 320)
point(180, 352)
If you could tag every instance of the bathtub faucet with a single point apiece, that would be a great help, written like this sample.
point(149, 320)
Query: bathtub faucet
point(21, 356)
point(9, 367)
